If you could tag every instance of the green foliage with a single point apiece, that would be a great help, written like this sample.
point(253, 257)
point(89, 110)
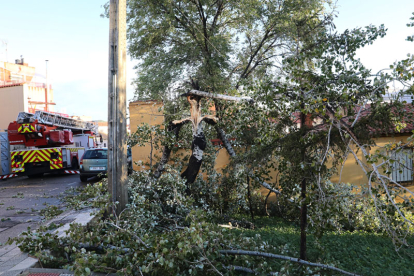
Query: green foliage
point(50, 211)
point(209, 45)
point(95, 196)
point(163, 231)
point(411, 24)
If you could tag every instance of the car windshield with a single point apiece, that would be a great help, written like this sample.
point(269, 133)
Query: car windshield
point(96, 154)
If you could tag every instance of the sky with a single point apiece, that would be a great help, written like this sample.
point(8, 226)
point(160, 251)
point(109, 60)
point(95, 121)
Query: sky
point(74, 38)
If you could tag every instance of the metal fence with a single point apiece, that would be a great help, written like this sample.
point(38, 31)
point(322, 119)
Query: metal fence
point(402, 168)
point(4, 154)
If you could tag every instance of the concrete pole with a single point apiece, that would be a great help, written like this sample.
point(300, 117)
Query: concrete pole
point(47, 89)
point(117, 148)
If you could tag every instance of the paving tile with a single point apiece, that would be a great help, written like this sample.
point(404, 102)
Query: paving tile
point(81, 218)
point(12, 262)
point(6, 249)
point(26, 263)
point(14, 252)
point(4, 259)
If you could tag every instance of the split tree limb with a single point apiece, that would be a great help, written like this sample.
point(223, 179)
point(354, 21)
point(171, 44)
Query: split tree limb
point(218, 96)
point(225, 141)
point(199, 140)
point(291, 259)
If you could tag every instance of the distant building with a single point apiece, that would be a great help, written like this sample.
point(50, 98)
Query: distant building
point(82, 118)
point(103, 130)
point(20, 93)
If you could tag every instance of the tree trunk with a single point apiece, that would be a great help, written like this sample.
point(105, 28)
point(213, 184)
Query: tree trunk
point(249, 197)
point(167, 150)
point(199, 140)
point(303, 221)
point(303, 209)
point(194, 164)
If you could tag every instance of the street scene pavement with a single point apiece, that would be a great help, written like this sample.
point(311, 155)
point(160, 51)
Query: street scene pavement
point(21, 202)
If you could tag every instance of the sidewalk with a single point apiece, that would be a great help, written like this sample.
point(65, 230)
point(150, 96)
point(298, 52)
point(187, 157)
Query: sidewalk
point(13, 262)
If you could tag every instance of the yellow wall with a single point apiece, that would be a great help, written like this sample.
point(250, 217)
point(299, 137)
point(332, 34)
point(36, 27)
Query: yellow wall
point(350, 171)
point(144, 112)
point(149, 112)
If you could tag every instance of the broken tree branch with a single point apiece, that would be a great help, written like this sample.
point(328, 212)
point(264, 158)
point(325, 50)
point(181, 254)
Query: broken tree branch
point(218, 96)
point(291, 259)
point(232, 154)
point(175, 127)
point(199, 140)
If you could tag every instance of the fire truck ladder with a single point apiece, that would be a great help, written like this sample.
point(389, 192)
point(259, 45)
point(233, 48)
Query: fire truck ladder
point(56, 120)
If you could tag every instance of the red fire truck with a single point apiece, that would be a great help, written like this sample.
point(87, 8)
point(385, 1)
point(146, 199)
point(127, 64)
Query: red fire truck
point(45, 142)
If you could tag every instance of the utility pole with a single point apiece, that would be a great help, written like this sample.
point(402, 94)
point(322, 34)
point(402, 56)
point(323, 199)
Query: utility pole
point(117, 149)
point(47, 89)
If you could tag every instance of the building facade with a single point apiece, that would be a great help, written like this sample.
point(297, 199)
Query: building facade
point(19, 92)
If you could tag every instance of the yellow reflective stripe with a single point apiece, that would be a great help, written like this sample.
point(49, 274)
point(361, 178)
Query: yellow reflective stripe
point(42, 156)
point(28, 155)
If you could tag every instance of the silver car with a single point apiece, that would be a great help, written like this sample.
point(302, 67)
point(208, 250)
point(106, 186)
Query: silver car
point(93, 163)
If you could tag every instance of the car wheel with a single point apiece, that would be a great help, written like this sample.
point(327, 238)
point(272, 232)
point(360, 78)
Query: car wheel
point(83, 178)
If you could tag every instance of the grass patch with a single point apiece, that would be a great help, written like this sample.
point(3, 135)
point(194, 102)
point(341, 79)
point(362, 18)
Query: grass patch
point(359, 252)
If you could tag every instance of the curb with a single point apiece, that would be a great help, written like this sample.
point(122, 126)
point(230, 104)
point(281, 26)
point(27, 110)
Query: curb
point(55, 272)
point(46, 272)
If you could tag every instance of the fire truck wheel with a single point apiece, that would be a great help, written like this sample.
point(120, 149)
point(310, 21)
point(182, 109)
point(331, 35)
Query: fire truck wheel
point(83, 178)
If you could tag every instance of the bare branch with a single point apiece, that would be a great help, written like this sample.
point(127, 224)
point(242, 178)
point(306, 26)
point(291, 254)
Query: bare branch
point(218, 96)
point(134, 235)
point(275, 256)
point(240, 268)
point(175, 127)
point(232, 154)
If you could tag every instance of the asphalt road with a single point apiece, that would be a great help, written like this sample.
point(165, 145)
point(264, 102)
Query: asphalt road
point(22, 198)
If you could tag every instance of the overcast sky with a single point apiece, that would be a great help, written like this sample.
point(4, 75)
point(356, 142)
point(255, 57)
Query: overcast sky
point(74, 38)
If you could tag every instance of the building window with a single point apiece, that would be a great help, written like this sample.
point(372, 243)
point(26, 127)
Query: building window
point(402, 168)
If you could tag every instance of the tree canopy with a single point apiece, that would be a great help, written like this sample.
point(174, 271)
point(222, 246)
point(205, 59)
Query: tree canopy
point(289, 91)
point(312, 103)
point(213, 45)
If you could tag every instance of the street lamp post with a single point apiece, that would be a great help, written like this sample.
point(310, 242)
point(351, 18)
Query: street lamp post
point(47, 89)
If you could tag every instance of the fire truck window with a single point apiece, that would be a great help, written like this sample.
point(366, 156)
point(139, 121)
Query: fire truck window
point(54, 155)
point(18, 158)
